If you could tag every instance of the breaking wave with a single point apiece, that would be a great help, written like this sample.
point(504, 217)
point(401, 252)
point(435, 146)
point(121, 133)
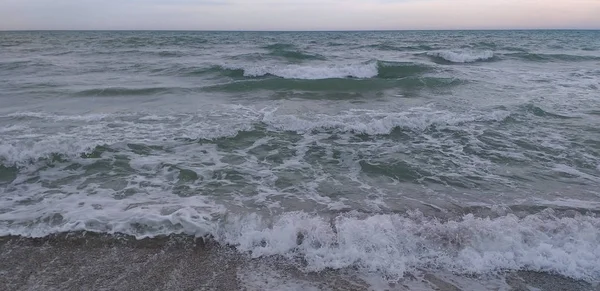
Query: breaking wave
point(461, 56)
point(104, 129)
point(387, 244)
point(372, 69)
point(539, 57)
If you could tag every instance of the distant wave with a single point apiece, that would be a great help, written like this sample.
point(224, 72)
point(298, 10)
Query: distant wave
point(360, 77)
point(456, 56)
point(279, 46)
point(484, 45)
point(138, 52)
point(296, 55)
point(13, 65)
point(120, 91)
point(290, 52)
point(313, 72)
point(537, 111)
point(336, 84)
point(152, 41)
point(365, 70)
point(539, 57)
point(218, 70)
point(307, 85)
point(170, 53)
point(390, 47)
point(472, 56)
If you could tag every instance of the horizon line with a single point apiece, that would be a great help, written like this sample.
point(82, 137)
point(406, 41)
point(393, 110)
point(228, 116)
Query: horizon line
point(308, 30)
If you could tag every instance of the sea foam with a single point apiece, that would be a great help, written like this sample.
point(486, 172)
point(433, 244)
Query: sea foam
point(99, 130)
point(463, 56)
point(390, 245)
point(312, 72)
point(396, 244)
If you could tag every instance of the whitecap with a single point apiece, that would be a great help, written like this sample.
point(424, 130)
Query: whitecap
point(463, 56)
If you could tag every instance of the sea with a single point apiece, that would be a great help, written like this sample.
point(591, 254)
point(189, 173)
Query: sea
point(371, 160)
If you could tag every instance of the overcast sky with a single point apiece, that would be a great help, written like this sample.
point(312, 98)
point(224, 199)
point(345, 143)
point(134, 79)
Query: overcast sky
point(298, 14)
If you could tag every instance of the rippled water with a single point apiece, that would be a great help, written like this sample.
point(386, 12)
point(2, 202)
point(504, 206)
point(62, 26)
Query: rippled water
point(386, 152)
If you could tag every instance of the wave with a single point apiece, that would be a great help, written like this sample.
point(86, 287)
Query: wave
point(279, 46)
point(14, 65)
point(392, 70)
point(217, 70)
point(537, 111)
point(391, 245)
point(125, 41)
point(306, 72)
point(169, 54)
point(290, 52)
point(538, 57)
point(461, 56)
point(484, 45)
point(467, 56)
point(173, 53)
point(372, 69)
point(311, 72)
point(389, 47)
point(137, 129)
point(365, 70)
point(378, 123)
point(296, 55)
point(60, 53)
point(336, 84)
point(56, 117)
point(120, 91)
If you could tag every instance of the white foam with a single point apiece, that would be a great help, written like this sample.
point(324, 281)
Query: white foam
point(19, 152)
point(385, 244)
point(13, 128)
point(24, 147)
point(463, 56)
point(159, 215)
point(312, 72)
point(59, 117)
point(377, 122)
point(568, 203)
point(395, 244)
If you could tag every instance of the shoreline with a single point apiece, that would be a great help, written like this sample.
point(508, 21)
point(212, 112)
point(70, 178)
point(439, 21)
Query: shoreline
point(94, 261)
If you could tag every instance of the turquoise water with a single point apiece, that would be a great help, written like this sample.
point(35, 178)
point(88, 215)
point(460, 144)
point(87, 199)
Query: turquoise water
point(472, 152)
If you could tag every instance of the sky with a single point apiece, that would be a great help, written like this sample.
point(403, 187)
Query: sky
point(298, 14)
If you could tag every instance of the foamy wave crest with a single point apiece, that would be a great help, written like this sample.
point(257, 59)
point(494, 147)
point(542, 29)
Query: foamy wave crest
point(30, 144)
point(18, 153)
point(387, 244)
point(110, 216)
point(26, 145)
point(313, 72)
point(57, 117)
point(396, 244)
point(463, 56)
point(376, 122)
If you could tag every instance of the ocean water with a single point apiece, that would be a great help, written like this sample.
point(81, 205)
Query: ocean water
point(397, 160)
